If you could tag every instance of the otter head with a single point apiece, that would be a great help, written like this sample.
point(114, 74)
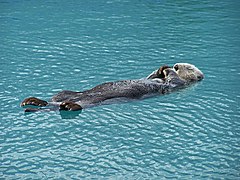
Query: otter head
point(188, 72)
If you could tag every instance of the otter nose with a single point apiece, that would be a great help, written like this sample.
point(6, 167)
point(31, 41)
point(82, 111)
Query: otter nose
point(200, 76)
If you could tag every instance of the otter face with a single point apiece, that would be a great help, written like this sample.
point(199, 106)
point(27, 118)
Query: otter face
point(188, 72)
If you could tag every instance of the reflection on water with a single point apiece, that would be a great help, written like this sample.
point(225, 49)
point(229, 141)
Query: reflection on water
point(70, 115)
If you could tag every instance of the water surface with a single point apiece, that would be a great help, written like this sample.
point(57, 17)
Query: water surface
point(51, 46)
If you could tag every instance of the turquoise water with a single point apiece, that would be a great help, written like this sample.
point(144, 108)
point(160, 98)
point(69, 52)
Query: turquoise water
point(50, 46)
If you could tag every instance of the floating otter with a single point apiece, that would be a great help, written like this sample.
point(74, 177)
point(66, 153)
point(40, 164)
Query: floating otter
point(161, 81)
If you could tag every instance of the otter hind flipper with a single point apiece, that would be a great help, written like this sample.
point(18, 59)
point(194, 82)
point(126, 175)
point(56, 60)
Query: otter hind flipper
point(70, 106)
point(34, 102)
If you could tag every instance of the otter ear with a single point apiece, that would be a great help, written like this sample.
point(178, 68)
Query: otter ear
point(176, 67)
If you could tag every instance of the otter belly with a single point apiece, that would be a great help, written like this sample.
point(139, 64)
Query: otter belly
point(128, 89)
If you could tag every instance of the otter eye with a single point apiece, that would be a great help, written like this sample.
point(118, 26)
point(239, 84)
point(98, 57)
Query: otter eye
point(176, 67)
point(190, 68)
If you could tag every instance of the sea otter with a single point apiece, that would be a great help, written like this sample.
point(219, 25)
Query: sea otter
point(163, 80)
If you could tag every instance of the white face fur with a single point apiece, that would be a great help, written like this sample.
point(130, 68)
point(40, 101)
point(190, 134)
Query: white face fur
point(188, 72)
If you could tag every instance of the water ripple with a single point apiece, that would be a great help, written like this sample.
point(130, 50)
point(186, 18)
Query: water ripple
point(189, 134)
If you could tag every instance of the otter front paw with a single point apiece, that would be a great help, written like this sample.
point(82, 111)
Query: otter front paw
point(70, 106)
point(34, 102)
